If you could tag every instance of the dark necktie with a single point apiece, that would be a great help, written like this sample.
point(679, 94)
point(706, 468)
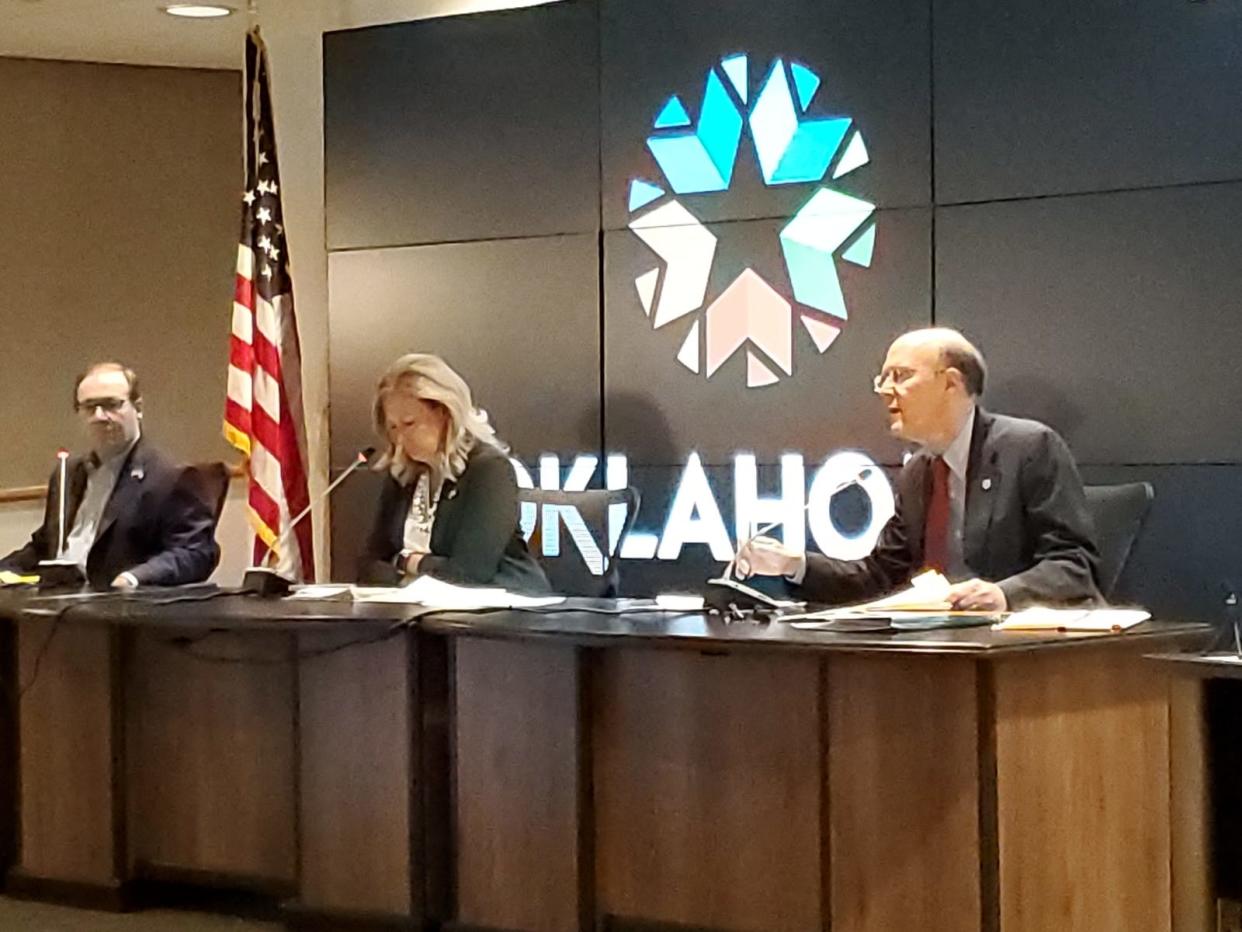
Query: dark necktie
point(936, 527)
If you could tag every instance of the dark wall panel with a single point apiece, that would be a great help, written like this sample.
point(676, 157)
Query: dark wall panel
point(517, 319)
point(657, 410)
point(1112, 317)
point(1190, 548)
point(1110, 313)
point(528, 344)
point(872, 59)
point(1039, 97)
point(467, 127)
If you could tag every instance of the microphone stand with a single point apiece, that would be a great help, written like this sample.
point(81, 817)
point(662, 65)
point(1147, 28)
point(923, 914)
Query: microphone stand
point(863, 474)
point(265, 581)
point(63, 456)
point(1233, 625)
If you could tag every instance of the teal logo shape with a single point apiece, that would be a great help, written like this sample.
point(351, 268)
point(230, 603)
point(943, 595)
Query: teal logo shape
point(795, 143)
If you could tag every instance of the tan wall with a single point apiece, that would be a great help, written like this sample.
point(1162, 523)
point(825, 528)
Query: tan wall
point(119, 214)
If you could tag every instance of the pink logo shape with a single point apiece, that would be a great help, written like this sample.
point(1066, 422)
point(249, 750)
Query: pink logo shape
point(750, 310)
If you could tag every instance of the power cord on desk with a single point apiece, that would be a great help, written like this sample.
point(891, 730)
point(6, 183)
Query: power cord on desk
point(186, 646)
point(60, 616)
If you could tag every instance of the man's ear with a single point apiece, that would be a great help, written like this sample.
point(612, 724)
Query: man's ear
point(955, 377)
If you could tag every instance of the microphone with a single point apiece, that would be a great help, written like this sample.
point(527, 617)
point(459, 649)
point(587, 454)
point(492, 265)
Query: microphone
point(57, 573)
point(262, 579)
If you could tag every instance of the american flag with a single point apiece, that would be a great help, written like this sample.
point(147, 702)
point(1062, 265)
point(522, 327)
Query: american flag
point(263, 413)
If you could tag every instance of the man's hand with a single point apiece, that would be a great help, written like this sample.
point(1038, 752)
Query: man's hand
point(124, 581)
point(977, 595)
point(766, 556)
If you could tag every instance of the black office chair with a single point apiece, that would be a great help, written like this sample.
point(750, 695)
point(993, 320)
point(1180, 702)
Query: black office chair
point(1118, 512)
point(209, 483)
point(569, 571)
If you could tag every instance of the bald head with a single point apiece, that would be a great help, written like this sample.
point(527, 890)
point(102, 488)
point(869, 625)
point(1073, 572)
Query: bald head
point(929, 382)
point(952, 351)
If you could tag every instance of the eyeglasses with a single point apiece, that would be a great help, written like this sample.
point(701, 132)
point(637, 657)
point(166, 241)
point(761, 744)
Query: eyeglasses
point(898, 377)
point(88, 407)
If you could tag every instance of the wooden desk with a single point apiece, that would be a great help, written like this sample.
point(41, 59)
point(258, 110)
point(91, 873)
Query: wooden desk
point(1207, 792)
point(663, 774)
point(267, 746)
point(574, 770)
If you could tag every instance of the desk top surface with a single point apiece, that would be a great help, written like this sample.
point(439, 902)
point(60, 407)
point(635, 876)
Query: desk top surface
point(595, 628)
point(1215, 665)
point(586, 622)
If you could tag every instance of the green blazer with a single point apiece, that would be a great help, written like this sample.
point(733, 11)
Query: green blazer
point(475, 539)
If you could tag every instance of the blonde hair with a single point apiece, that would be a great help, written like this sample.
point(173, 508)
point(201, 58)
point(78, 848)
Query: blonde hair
point(430, 378)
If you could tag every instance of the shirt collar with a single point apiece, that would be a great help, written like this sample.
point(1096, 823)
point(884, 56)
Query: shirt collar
point(958, 454)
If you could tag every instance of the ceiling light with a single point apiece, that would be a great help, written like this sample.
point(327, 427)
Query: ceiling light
point(198, 10)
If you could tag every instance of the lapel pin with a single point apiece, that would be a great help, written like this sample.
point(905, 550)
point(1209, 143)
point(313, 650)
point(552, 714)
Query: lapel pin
point(138, 474)
point(987, 484)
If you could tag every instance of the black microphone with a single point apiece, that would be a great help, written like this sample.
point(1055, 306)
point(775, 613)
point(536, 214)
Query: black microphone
point(261, 579)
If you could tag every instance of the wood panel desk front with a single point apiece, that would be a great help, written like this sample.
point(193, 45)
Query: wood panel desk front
point(573, 770)
point(268, 746)
point(641, 773)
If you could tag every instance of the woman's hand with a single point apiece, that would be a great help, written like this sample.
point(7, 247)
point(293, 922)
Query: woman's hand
point(412, 559)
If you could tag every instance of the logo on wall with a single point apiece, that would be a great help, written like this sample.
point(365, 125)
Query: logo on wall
point(793, 146)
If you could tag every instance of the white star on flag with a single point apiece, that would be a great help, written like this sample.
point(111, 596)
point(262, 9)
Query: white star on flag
point(264, 215)
point(264, 243)
point(262, 158)
point(248, 197)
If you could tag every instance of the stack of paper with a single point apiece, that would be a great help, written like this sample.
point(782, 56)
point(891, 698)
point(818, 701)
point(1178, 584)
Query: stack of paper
point(1073, 619)
point(928, 592)
point(429, 592)
point(926, 596)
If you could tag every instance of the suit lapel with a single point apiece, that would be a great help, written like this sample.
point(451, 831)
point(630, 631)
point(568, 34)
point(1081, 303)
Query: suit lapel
point(981, 491)
point(915, 493)
point(126, 491)
point(445, 527)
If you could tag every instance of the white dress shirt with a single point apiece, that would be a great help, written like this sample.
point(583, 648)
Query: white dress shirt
point(100, 482)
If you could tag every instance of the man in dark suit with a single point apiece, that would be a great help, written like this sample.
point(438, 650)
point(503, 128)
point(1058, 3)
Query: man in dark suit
point(993, 502)
point(132, 517)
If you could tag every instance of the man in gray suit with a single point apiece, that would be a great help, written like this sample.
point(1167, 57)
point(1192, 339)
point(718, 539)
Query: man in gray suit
point(993, 502)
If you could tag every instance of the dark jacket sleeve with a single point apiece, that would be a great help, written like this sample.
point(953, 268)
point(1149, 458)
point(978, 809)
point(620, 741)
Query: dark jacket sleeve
point(836, 582)
point(26, 559)
point(1064, 559)
point(484, 518)
point(187, 551)
point(375, 566)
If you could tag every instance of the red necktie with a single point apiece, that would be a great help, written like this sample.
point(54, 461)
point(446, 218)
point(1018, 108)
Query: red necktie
point(936, 528)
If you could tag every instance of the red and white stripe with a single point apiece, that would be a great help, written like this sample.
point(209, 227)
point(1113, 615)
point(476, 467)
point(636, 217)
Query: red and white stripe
point(258, 420)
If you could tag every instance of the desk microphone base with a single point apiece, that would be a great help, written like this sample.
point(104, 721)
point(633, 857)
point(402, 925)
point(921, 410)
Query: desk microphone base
point(264, 582)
